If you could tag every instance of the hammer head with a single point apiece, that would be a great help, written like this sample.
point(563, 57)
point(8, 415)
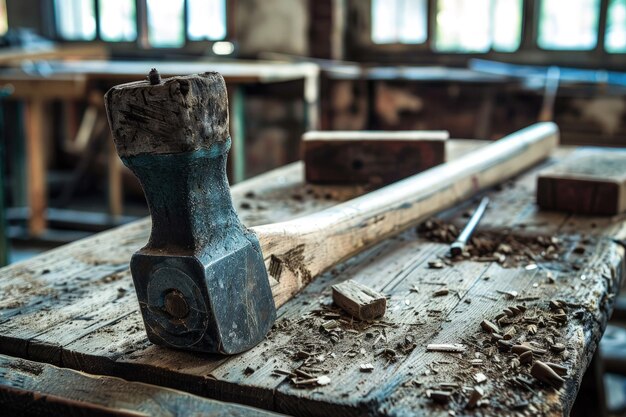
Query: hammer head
point(201, 281)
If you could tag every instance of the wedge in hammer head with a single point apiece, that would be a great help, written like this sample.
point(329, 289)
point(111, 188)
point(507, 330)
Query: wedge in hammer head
point(201, 280)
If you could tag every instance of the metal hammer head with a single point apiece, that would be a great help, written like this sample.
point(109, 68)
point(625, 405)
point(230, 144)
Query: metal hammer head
point(201, 281)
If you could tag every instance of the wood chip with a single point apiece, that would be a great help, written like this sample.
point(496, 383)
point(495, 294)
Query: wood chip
point(359, 300)
point(330, 325)
point(366, 367)
point(441, 397)
point(475, 396)
point(480, 378)
point(546, 374)
point(509, 294)
point(526, 357)
point(435, 264)
point(323, 380)
point(557, 347)
point(441, 292)
point(489, 326)
point(510, 333)
point(435, 347)
point(559, 369)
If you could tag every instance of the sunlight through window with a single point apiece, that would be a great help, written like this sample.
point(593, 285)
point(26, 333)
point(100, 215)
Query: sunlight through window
point(568, 24)
point(117, 20)
point(399, 21)
point(615, 40)
point(165, 23)
point(478, 25)
point(76, 19)
point(4, 24)
point(206, 19)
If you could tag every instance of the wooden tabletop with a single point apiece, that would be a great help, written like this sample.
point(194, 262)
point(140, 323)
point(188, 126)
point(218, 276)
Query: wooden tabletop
point(59, 71)
point(75, 307)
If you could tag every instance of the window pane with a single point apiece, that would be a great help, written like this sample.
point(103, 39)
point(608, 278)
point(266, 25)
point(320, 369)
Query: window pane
point(507, 25)
point(117, 20)
point(75, 19)
point(4, 25)
point(463, 26)
point(399, 21)
point(207, 19)
point(568, 24)
point(615, 40)
point(165, 23)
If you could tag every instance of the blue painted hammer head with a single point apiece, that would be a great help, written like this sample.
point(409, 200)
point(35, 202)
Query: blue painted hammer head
point(201, 281)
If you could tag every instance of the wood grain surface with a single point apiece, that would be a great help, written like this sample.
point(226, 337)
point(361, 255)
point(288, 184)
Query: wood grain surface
point(75, 307)
point(35, 389)
point(590, 181)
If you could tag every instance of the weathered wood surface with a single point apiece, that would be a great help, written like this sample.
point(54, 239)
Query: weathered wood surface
point(35, 389)
point(590, 181)
point(369, 157)
point(75, 307)
point(293, 250)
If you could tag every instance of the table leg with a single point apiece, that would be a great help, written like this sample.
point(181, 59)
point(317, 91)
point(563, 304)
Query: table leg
point(115, 181)
point(4, 241)
point(238, 133)
point(311, 100)
point(35, 154)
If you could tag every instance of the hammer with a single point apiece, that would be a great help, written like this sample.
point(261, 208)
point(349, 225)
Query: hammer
point(206, 283)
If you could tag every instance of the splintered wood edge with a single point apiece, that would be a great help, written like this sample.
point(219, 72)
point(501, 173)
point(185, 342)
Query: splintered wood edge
point(179, 114)
point(371, 135)
point(59, 391)
point(359, 300)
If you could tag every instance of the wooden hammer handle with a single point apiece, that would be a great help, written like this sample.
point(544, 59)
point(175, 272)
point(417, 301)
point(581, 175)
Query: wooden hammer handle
point(297, 251)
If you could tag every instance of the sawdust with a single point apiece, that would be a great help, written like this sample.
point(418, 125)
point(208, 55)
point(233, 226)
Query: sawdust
point(327, 335)
point(508, 250)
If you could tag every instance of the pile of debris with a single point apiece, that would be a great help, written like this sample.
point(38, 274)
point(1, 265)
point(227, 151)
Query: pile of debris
point(521, 347)
point(508, 250)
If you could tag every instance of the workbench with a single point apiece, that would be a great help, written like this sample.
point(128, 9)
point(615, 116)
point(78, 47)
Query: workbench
point(75, 308)
point(39, 83)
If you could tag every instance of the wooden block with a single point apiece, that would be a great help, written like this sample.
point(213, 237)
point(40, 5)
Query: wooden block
point(359, 300)
point(590, 181)
point(369, 157)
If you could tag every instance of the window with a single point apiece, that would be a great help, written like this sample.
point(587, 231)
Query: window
point(117, 20)
point(478, 25)
point(4, 24)
point(162, 20)
point(207, 20)
point(506, 34)
point(76, 19)
point(615, 38)
point(166, 27)
point(568, 24)
point(399, 21)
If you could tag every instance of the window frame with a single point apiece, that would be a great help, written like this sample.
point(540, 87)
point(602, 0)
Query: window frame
point(141, 44)
point(360, 47)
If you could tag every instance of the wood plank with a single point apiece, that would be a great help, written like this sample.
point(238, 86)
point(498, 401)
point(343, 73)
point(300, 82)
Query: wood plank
point(590, 181)
point(17, 55)
point(368, 157)
point(35, 389)
point(113, 342)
